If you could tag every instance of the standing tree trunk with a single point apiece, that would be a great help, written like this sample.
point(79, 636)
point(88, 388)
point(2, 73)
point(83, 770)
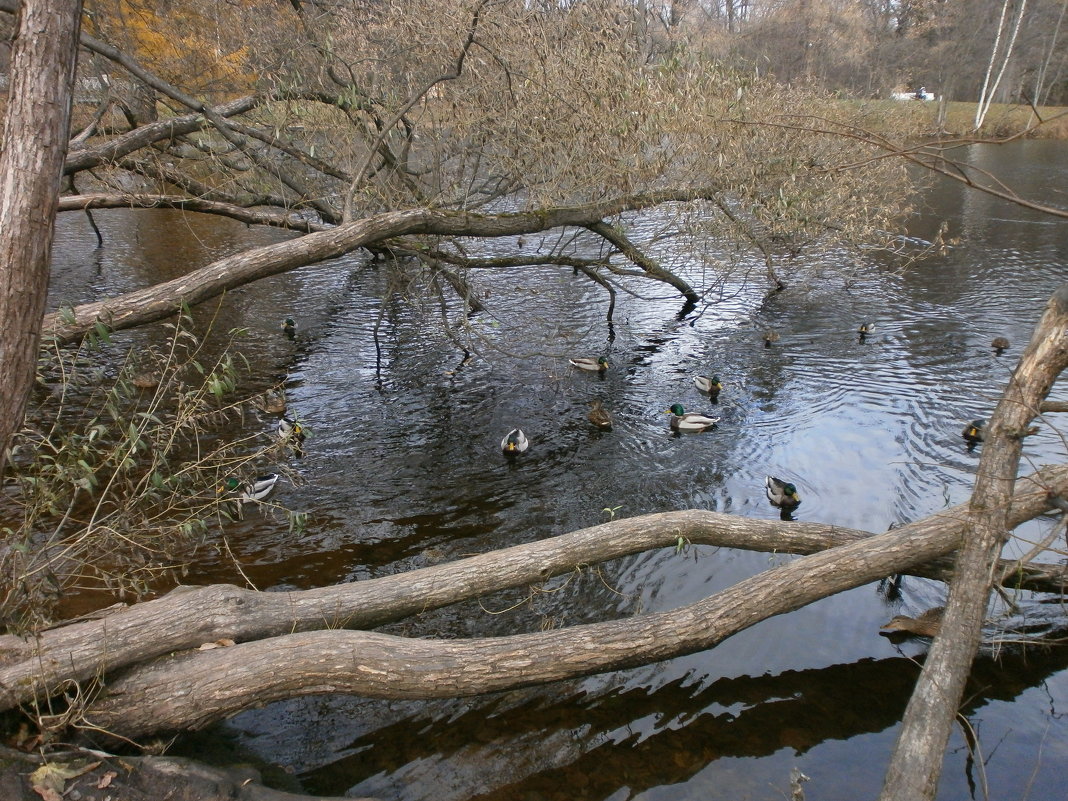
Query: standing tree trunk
point(36, 131)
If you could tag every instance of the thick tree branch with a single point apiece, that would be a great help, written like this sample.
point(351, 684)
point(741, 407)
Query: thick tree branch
point(916, 764)
point(114, 149)
point(651, 268)
point(187, 617)
point(275, 219)
point(195, 688)
point(160, 301)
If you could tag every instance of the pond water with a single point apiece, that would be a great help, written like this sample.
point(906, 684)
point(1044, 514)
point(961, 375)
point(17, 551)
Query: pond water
point(403, 469)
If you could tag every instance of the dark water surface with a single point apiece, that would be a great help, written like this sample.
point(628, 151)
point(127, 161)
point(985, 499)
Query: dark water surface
point(403, 470)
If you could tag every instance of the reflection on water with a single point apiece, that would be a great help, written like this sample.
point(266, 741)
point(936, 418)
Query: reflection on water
point(403, 469)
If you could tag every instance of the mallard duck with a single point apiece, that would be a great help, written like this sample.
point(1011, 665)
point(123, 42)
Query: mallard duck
point(599, 416)
point(864, 329)
point(514, 442)
point(149, 379)
point(273, 402)
point(710, 385)
point(781, 493)
point(598, 365)
point(1000, 345)
point(681, 421)
point(927, 624)
point(975, 431)
point(290, 429)
point(289, 327)
point(252, 491)
point(770, 337)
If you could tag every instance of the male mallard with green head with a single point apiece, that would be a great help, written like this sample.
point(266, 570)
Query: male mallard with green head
point(289, 327)
point(781, 493)
point(514, 442)
point(251, 491)
point(598, 365)
point(692, 422)
point(712, 385)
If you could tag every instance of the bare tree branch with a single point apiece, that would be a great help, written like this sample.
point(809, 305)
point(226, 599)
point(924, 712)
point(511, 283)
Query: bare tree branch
point(916, 764)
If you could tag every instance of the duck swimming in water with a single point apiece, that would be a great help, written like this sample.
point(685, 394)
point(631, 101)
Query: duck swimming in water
point(598, 365)
point(781, 493)
point(251, 491)
point(974, 432)
point(693, 422)
point(514, 442)
point(600, 417)
point(710, 385)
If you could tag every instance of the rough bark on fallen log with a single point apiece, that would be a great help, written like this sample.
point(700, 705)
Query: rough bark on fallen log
point(190, 616)
point(916, 763)
point(193, 689)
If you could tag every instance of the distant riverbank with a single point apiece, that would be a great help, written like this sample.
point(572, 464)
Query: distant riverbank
point(1001, 121)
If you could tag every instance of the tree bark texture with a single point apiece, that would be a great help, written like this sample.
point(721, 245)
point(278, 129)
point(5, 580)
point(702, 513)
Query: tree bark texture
point(189, 616)
point(36, 128)
point(162, 300)
point(916, 764)
point(194, 688)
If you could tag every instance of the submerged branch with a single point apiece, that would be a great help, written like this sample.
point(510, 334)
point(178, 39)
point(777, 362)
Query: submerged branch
point(162, 300)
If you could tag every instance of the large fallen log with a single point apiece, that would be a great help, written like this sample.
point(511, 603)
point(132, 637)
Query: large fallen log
point(193, 689)
point(916, 764)
point(33, 668)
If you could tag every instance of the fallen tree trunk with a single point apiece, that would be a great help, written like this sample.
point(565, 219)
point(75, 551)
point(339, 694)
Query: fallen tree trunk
point(163, 300)
point(189, 616)
point(193, 689)
point(916, 764)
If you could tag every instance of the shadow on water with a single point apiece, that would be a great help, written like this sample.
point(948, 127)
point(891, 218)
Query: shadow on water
point(591, 748)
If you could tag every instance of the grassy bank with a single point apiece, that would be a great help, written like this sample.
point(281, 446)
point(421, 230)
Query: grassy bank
point(1002, 120)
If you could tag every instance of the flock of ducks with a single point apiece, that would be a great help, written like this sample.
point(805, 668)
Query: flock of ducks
point(516, 442)
point(780, 493)
point(289, 431)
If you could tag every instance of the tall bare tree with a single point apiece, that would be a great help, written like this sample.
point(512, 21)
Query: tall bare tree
point(36, 130)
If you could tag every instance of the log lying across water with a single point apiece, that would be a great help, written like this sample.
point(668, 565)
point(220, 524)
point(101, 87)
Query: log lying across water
point(301, 642)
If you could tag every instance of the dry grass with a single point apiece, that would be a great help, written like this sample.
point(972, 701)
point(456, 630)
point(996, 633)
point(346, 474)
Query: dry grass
point(1002, 120)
